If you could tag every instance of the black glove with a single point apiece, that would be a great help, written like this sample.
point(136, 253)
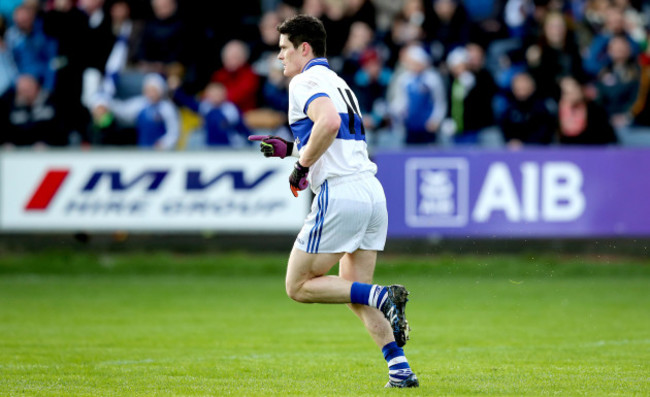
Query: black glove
point(298, 178)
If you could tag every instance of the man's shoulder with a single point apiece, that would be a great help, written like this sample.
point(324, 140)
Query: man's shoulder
point(305, 80)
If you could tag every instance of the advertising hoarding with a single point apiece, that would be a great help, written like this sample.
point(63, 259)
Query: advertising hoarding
point(545, 192)
point(149, 191)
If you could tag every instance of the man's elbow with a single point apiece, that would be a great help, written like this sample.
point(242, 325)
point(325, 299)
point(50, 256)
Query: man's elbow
point(332, 123)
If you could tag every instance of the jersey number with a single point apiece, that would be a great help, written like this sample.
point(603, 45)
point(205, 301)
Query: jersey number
point(352, 110)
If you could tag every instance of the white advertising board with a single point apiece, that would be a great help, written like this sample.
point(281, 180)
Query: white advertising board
point(236, 191)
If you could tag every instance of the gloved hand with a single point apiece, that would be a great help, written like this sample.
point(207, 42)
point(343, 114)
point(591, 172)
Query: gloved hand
point(298, 178)
point(273, 146)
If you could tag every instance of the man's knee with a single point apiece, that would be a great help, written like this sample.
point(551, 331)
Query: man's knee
point(295, 292)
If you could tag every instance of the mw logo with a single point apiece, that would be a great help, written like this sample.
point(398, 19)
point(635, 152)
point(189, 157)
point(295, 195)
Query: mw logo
point(151, 180)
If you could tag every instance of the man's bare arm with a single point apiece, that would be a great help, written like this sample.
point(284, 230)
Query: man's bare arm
point(326, 126)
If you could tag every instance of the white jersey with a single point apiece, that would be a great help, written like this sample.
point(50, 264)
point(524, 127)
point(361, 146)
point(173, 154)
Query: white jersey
point(348, 154)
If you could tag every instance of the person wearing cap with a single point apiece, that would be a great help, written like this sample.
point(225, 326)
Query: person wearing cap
point(155, 117)
point(419, 104)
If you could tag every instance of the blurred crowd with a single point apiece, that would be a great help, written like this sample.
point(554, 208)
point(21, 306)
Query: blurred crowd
point(174, 75)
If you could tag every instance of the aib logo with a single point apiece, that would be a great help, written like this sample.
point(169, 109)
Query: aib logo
point(46, 191)
point(437, 192)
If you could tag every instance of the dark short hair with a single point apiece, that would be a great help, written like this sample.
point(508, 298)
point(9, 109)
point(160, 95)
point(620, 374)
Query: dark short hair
point(305, 29)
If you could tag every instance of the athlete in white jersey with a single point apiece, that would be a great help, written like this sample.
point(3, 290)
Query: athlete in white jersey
point(348, 153)
point(348, 220)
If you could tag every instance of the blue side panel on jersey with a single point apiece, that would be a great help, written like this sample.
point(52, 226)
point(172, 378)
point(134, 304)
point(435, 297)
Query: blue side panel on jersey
point(301, 130)
point(344, 131)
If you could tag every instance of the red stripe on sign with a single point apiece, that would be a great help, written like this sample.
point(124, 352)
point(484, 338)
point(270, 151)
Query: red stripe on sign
point(46, 190)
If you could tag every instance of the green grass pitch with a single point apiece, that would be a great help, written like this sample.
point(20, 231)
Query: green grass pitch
point(164, 324)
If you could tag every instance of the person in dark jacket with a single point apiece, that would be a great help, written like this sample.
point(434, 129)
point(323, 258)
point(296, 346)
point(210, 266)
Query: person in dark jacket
point(446, 25)
point(28, 116)
point(528, 119)
point(554, 55)
point(618, 82)
point(470, 99)
point(162, 38)
point(83, 33)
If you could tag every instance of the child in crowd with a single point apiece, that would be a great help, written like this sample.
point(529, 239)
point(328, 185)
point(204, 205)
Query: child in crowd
point(223, 122)
point(155, 117)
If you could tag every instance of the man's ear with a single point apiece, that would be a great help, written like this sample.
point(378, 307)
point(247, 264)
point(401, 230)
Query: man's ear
point(305, 48)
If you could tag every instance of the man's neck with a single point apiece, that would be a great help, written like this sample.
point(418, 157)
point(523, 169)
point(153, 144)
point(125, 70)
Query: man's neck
point(316, 61)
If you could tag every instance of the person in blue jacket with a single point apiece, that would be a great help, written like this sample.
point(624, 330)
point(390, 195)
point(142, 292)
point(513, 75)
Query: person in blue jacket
point(223, 121)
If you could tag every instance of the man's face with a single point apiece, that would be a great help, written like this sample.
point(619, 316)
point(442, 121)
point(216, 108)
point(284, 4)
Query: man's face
point(291, 58)
point(234, 56)
point(523, 87)
point(26, 89)
point(24, 19)
point(152, 93)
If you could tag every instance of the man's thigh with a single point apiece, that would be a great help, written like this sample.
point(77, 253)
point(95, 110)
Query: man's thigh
point(358, 266)
point(303, 266)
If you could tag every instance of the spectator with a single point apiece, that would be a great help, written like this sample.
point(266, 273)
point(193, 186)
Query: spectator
point(362, 11)
point(83, 34)
point(447, 26)
point(33, 51)
point(222, 121)
point(507, 65)
point(408, 25)
point(518, 17)
point(641, 109)
point(470, 101)
point(118, 72)
point(385, 13)
point(582, 121)
point(28, 116)
point(635, 22)
point(127, 31)
point(267, 44)
point(8, 70)
point(419, 104)
point(315, 8)
point(529, 119)
point(407, 28)
point(104, 129)
point(84, 37)
point(371, 85)
point(618, 82)
point(337, 25)
point(361, 37)
point(162, 38)
point(155, 117)
point(486, 18)
point(638, 132)
point(593, 15)
point(596, 57)
point(271, 116)
point(99, 40)
point(237, 76)
point(556, 54)
point(484, 79)
point(275, 90)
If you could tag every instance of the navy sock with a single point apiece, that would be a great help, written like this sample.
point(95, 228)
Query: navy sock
point(398, 366)
point(368, 294)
